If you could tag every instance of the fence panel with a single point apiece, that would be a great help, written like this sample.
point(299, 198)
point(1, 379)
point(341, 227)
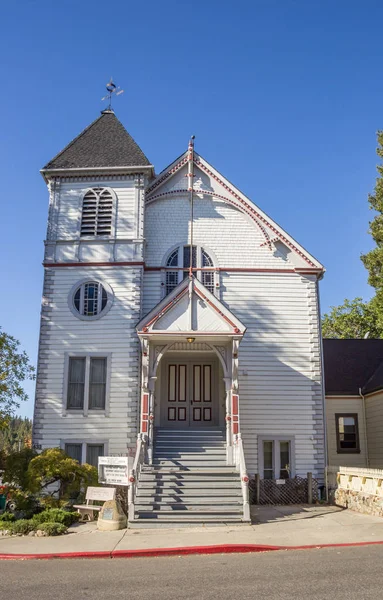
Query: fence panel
point(286, 491)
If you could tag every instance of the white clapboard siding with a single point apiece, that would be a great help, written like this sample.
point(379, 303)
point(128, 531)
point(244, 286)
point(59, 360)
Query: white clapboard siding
point(225, 231)
point(279, 371)
point(112, 334)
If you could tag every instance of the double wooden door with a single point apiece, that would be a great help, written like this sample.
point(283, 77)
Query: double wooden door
point(190, 395)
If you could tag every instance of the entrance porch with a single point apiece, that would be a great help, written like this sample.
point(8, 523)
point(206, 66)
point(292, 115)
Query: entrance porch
point(190, 398)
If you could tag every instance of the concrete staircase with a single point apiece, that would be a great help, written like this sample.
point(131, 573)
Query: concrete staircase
point(189, 482)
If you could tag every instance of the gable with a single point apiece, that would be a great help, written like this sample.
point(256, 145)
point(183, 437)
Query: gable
point(204, 313)
point(209, 183)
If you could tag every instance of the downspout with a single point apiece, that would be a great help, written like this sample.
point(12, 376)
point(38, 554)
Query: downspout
point(323, 389)
point(365, 425)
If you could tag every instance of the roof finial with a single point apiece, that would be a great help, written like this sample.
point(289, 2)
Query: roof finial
point(111, 89)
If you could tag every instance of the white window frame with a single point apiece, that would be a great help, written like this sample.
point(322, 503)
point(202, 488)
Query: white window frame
point(113, 228)
point(199, 248)
point(84, 445)
point(80, 284)
point(86, 411)
point(276, 453)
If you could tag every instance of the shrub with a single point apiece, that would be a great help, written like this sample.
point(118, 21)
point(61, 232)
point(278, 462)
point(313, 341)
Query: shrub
point(57, 515)
point(23, 526)
point(7, 518)
point(55, 468)
point(26, 505)
point(52, 528)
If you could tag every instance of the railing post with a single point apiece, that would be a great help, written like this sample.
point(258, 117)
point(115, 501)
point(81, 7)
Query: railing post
point(310, 488)
point(229, 440)
point(131, 495)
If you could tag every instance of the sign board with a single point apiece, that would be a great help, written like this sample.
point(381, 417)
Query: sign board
point(280, 481)
point(114, 470)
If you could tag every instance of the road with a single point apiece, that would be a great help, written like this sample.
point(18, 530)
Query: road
point(352, 573)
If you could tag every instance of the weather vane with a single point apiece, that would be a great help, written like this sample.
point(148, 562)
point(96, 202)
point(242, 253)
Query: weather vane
point(111, 89)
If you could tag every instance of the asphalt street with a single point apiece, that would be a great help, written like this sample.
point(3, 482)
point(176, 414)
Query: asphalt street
point(339, 573)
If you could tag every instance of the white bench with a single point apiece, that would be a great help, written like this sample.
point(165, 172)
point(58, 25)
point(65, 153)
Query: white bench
point(98, 494)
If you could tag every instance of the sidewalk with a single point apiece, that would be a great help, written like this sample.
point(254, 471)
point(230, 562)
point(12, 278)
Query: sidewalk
point(289, 526)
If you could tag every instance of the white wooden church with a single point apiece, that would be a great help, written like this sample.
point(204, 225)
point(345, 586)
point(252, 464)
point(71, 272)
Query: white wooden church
point(179, 325)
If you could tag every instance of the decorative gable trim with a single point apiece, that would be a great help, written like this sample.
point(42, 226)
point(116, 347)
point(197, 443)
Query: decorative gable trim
point(237, 200)
point(147, 323)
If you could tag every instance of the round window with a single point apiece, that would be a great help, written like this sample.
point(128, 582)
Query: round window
point(90, 299)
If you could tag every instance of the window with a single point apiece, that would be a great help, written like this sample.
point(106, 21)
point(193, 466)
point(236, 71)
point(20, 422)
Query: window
point(347, 433)
point(97, 212)
point(74, 451)
point(83, 452)
point(180, 257)
point(76, 383)
point(93, 451)
point(275, 458)
point(87, 383)
point(97, 383)
point(90, 300)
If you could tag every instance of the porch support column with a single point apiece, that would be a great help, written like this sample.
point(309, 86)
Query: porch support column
point(152, 384)
point(229, 437)
point(144, 416)
point(235, 430)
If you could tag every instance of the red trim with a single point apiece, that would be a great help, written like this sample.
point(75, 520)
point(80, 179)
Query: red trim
point(238, 269)
point(182, 550)
point(179, 383)
point(235, 404)
point(168, 174)
point(95, 264)
point(175, 383)
point(145, 413)
point(252, 212)
point(200, 383)
point(163, 311)
point(201, 295)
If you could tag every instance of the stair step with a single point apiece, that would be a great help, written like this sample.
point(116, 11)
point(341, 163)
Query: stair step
point(188, 515)
point(170, 483)
point(190, 456)
point(197, 450)
point(180, 500)
point(196, 492)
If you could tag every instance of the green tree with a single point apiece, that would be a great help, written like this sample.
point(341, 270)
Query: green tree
point(356, 318)
point(17, 435)
point(352, 319)
point(14, 369)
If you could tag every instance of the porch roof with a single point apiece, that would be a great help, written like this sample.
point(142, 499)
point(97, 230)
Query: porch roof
point(190, 309)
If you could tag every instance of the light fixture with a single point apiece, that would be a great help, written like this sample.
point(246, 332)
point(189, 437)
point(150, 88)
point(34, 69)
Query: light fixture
point(190, 340)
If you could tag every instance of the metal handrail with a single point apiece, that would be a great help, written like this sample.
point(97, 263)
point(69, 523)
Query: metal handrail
point(240, 464)
point(139, 460)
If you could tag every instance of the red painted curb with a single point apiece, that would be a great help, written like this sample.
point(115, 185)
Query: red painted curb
point(181, 551)
point(103, 554)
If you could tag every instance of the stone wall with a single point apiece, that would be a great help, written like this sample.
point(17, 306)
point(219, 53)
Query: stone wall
point(360, 490)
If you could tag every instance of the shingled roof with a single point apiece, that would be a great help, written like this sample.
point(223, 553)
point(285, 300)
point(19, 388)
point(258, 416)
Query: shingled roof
point(105, 143)
point(351, 365)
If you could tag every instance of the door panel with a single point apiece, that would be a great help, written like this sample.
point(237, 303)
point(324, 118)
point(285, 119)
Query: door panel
point(190, 399)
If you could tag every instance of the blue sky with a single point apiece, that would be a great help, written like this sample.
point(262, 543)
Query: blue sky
point(284, 97)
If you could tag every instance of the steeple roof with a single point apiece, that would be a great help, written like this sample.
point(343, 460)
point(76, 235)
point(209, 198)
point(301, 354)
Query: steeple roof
point(104, 143)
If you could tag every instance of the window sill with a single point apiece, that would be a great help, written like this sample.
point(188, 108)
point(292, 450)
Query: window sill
point(348, 451)
point(90, 413)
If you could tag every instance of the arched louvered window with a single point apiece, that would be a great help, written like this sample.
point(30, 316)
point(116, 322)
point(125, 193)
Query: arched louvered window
point(97, 212)
point(180, 257)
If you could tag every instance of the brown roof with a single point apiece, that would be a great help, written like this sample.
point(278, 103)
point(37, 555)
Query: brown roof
point(104, 143)
point(351, 365)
